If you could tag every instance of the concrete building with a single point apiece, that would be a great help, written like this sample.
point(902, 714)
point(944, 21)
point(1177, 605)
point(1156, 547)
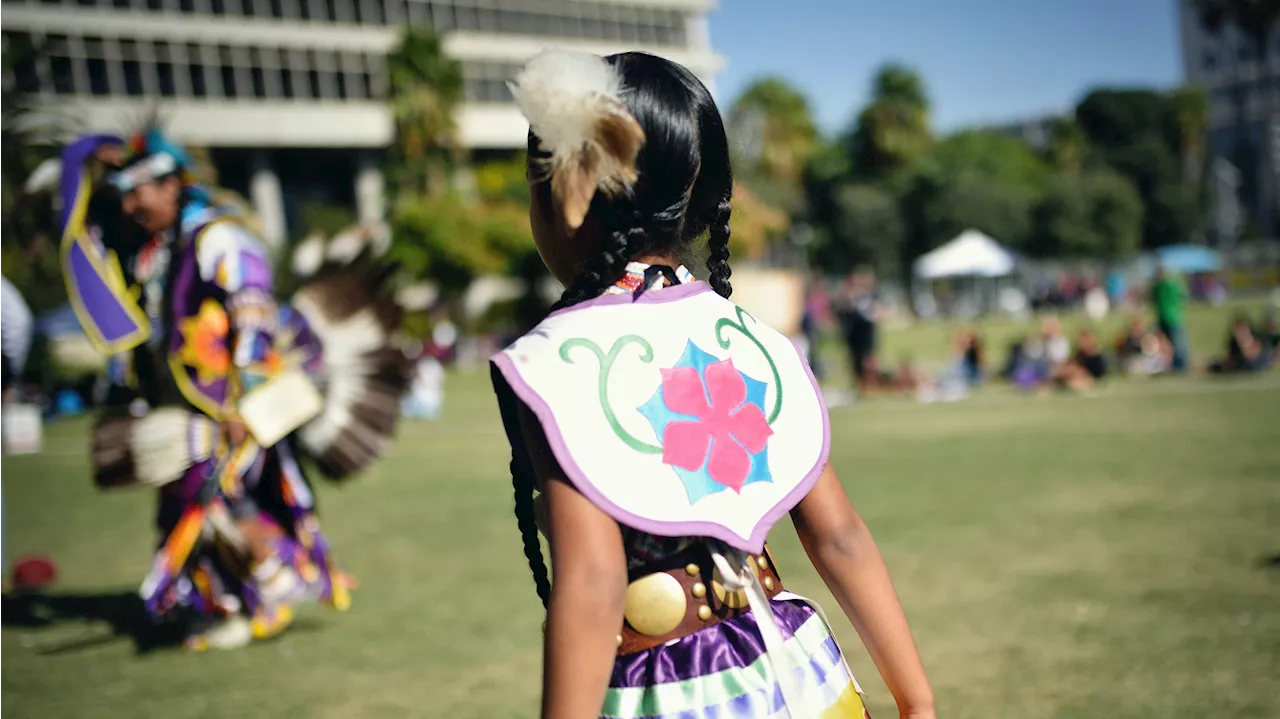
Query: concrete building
point(1243, 89)
point(289, 95)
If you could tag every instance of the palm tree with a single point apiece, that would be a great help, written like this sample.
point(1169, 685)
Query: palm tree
point(426, 90)
point(1191, 112)
point(1067, 145)
point(28, 135)
point(774, 125)
point(893, 130)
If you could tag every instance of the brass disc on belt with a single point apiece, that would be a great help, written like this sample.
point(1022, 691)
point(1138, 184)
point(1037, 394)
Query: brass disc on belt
point(734, 600)
point(761, 562)
point(655, 604)
point(704, 612)
point(699, 590)
point(768, 583)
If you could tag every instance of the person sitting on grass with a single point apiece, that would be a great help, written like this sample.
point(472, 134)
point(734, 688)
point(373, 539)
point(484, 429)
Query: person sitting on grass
point(1139, 351)
point(1086, 366)
point(1245, 353)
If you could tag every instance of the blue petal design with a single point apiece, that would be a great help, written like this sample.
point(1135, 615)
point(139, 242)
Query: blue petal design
point(755, 390)
point(699, 484)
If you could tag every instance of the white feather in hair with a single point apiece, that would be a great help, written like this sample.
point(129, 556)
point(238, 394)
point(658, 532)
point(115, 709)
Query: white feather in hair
point(572, 102)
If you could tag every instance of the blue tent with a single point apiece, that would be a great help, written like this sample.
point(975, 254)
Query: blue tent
point(1183, 259)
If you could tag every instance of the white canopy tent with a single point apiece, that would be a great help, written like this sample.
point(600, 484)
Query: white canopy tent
point(970, 254)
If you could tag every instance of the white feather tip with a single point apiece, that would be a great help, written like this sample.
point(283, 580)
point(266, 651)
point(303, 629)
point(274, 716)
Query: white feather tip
point(45, 177)
point(309, 256)
point(572, 102)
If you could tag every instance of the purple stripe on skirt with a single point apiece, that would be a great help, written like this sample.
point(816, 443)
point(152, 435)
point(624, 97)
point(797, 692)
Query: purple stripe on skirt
point(730, 644)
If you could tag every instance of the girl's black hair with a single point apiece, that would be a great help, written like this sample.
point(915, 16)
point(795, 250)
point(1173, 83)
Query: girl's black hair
point(684, 189)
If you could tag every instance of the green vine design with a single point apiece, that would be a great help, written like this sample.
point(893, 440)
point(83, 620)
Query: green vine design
point(606, 365)
point(741, 326)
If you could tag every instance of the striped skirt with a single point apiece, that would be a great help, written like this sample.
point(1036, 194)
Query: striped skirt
point(723, 672)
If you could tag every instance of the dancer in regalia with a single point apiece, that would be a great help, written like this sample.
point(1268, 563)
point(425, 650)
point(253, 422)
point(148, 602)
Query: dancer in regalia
point(219, 392)
point(665, 430)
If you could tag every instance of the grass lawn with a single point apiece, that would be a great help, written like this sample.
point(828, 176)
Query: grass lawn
point(1111, 556)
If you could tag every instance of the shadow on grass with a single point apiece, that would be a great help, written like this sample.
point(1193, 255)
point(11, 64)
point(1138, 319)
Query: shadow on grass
point(122, 613)
point(1271, 561)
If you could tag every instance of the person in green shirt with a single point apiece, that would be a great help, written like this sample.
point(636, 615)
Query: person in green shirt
point(1169, 297)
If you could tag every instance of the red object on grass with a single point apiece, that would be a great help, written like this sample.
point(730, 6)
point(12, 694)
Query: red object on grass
point(33, 573)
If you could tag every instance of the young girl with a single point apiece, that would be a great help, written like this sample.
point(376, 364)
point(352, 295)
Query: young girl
point(666, 430)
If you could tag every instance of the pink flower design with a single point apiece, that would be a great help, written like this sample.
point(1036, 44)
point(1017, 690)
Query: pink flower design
point(731, 427)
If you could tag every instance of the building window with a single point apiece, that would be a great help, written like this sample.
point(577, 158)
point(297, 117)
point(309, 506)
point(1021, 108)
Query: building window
point(258, 78)
point(286, 83)
point(196, 71)
point(98, 83)
point(63, 75)
point(165, 77)
point(26, 77)
point(228, 80)
point(132, 77)
point(1209, 61)
point(465, 18)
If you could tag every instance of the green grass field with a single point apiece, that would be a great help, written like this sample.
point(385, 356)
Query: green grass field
point(1061, 556)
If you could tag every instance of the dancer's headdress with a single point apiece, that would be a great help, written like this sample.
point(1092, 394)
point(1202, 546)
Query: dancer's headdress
point(152, 155)
point(572, 102)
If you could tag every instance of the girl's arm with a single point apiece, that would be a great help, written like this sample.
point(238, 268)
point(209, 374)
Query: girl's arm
point(842, 550)
point(588, 594)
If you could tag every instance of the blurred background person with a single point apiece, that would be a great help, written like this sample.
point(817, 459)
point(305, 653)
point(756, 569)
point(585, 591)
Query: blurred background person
point(1168, 301)
point(1086, 366)
point(15, 336)
point(858, 313)
point(1245, 351)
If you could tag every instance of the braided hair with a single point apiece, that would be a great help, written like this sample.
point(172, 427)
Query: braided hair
point(683, 191)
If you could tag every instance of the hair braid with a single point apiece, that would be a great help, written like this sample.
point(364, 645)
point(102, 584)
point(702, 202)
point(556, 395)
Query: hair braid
point(620, 246)
point(718, 270)
point(522, 483)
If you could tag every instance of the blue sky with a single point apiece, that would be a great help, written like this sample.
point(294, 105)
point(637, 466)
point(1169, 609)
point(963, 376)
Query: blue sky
point(982, 61)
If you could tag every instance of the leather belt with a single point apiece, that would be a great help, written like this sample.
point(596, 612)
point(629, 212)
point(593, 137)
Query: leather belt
point(683, 596)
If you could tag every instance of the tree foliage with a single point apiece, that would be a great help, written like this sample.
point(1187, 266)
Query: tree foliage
point(1139, 134)
point(451, 241)
point(866, 229)
point(757, 225)
point(774, 131)
point(426, 89)
point(1094, 214)
point(893, 131)
point(29, 134)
